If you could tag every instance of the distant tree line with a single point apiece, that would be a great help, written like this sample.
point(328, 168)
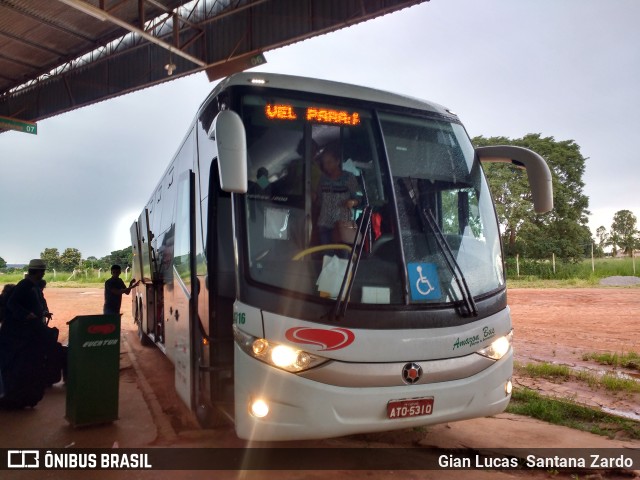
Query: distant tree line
point(71, 259)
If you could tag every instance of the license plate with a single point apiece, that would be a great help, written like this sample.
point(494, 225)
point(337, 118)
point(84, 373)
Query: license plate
point(412, 407)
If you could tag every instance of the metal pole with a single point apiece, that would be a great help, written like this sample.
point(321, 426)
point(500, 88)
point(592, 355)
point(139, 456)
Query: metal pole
point(553, 257)
point(518, 263)
point(593, 263)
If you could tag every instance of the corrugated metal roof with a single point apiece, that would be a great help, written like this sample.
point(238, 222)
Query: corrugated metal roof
point(36, 36)
point(54, 56)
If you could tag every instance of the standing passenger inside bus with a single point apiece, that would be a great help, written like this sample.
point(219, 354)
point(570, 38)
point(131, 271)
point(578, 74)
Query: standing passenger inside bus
point(336, 196)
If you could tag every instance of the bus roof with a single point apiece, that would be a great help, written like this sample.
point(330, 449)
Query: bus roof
point(326, 87)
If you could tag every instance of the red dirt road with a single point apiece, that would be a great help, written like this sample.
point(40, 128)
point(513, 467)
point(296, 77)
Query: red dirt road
point(564, 323)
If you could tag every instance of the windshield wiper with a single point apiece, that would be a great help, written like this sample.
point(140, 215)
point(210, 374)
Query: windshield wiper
point(428, 219)
point(452, 263)
point(342, 301)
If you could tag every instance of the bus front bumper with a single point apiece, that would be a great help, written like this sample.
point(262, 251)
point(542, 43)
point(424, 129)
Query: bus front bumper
point(300, 408)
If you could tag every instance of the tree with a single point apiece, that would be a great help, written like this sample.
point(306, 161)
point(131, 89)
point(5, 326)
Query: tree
point(70, 259)
point(3, 264)
point(91, 262)
point(602, 238)
point(613, 241)
point(51, 256)
point(123, 257)
point(563, 231)
point(625, 231)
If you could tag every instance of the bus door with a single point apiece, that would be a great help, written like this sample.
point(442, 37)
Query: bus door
point(181, 313)
point(216, 380)
point(148, 303)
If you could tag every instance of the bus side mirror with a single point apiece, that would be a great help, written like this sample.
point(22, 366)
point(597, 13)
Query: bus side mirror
point(228, 132)
point(538, 171)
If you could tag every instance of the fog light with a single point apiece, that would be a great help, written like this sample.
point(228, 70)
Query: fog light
point(259, 408)
point(508, 387)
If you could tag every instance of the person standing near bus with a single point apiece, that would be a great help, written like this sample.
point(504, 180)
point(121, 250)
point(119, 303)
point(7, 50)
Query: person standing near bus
point(26, 343)
point(114, 288)
point(26, 305)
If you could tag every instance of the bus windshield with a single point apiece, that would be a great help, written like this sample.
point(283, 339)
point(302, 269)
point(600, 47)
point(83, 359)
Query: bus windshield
point(313, 168)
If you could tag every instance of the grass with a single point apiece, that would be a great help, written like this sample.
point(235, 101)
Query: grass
point(629, 360)
point(85, 279)
point(533, 274)
point(540, 274)
point(535, 282)
point(558, 373)
point(567, 413)
point(615, 383)
point(549, 371)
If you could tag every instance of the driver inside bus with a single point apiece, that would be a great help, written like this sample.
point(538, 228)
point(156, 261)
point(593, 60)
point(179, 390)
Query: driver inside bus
point(336, 195)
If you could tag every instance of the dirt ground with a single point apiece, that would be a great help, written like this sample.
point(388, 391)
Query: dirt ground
point(560, 325)
point(554, 325)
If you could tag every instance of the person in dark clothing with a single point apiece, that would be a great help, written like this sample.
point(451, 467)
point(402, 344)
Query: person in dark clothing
point(47, 316)
point(114, 288)
point(27, 345)
point(4, 297)
point(25, 306)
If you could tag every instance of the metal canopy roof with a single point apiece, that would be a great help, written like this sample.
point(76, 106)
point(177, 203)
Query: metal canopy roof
point(57, 55)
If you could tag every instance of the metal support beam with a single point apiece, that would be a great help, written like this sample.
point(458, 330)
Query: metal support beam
point(105, 16)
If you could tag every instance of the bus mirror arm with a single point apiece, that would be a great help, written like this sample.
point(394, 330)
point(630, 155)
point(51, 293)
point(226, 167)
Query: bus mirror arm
point(227, 130)
point(538, 171)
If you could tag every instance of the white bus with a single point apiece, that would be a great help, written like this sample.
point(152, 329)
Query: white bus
point(397, 318)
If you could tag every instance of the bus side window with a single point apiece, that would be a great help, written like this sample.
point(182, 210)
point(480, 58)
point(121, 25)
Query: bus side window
point(182, 240)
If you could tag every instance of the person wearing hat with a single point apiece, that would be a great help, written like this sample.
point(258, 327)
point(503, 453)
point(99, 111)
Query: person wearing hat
point(25, 341)
point(26, 303)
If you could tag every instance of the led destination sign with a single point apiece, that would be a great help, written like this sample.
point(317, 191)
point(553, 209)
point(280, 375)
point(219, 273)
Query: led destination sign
point(312, 114)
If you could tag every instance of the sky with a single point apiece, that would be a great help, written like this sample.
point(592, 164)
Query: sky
point(567, 69)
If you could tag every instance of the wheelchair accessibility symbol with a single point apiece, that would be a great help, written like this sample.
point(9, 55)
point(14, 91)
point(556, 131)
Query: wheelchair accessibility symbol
point(425, 284)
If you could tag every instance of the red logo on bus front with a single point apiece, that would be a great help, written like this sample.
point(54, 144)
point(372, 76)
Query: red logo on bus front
point(105, 329)
point(333, 339)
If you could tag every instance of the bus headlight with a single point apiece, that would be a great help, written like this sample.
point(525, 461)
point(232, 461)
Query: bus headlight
point(279, 355)
point(283, 356)
point(498, 348)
